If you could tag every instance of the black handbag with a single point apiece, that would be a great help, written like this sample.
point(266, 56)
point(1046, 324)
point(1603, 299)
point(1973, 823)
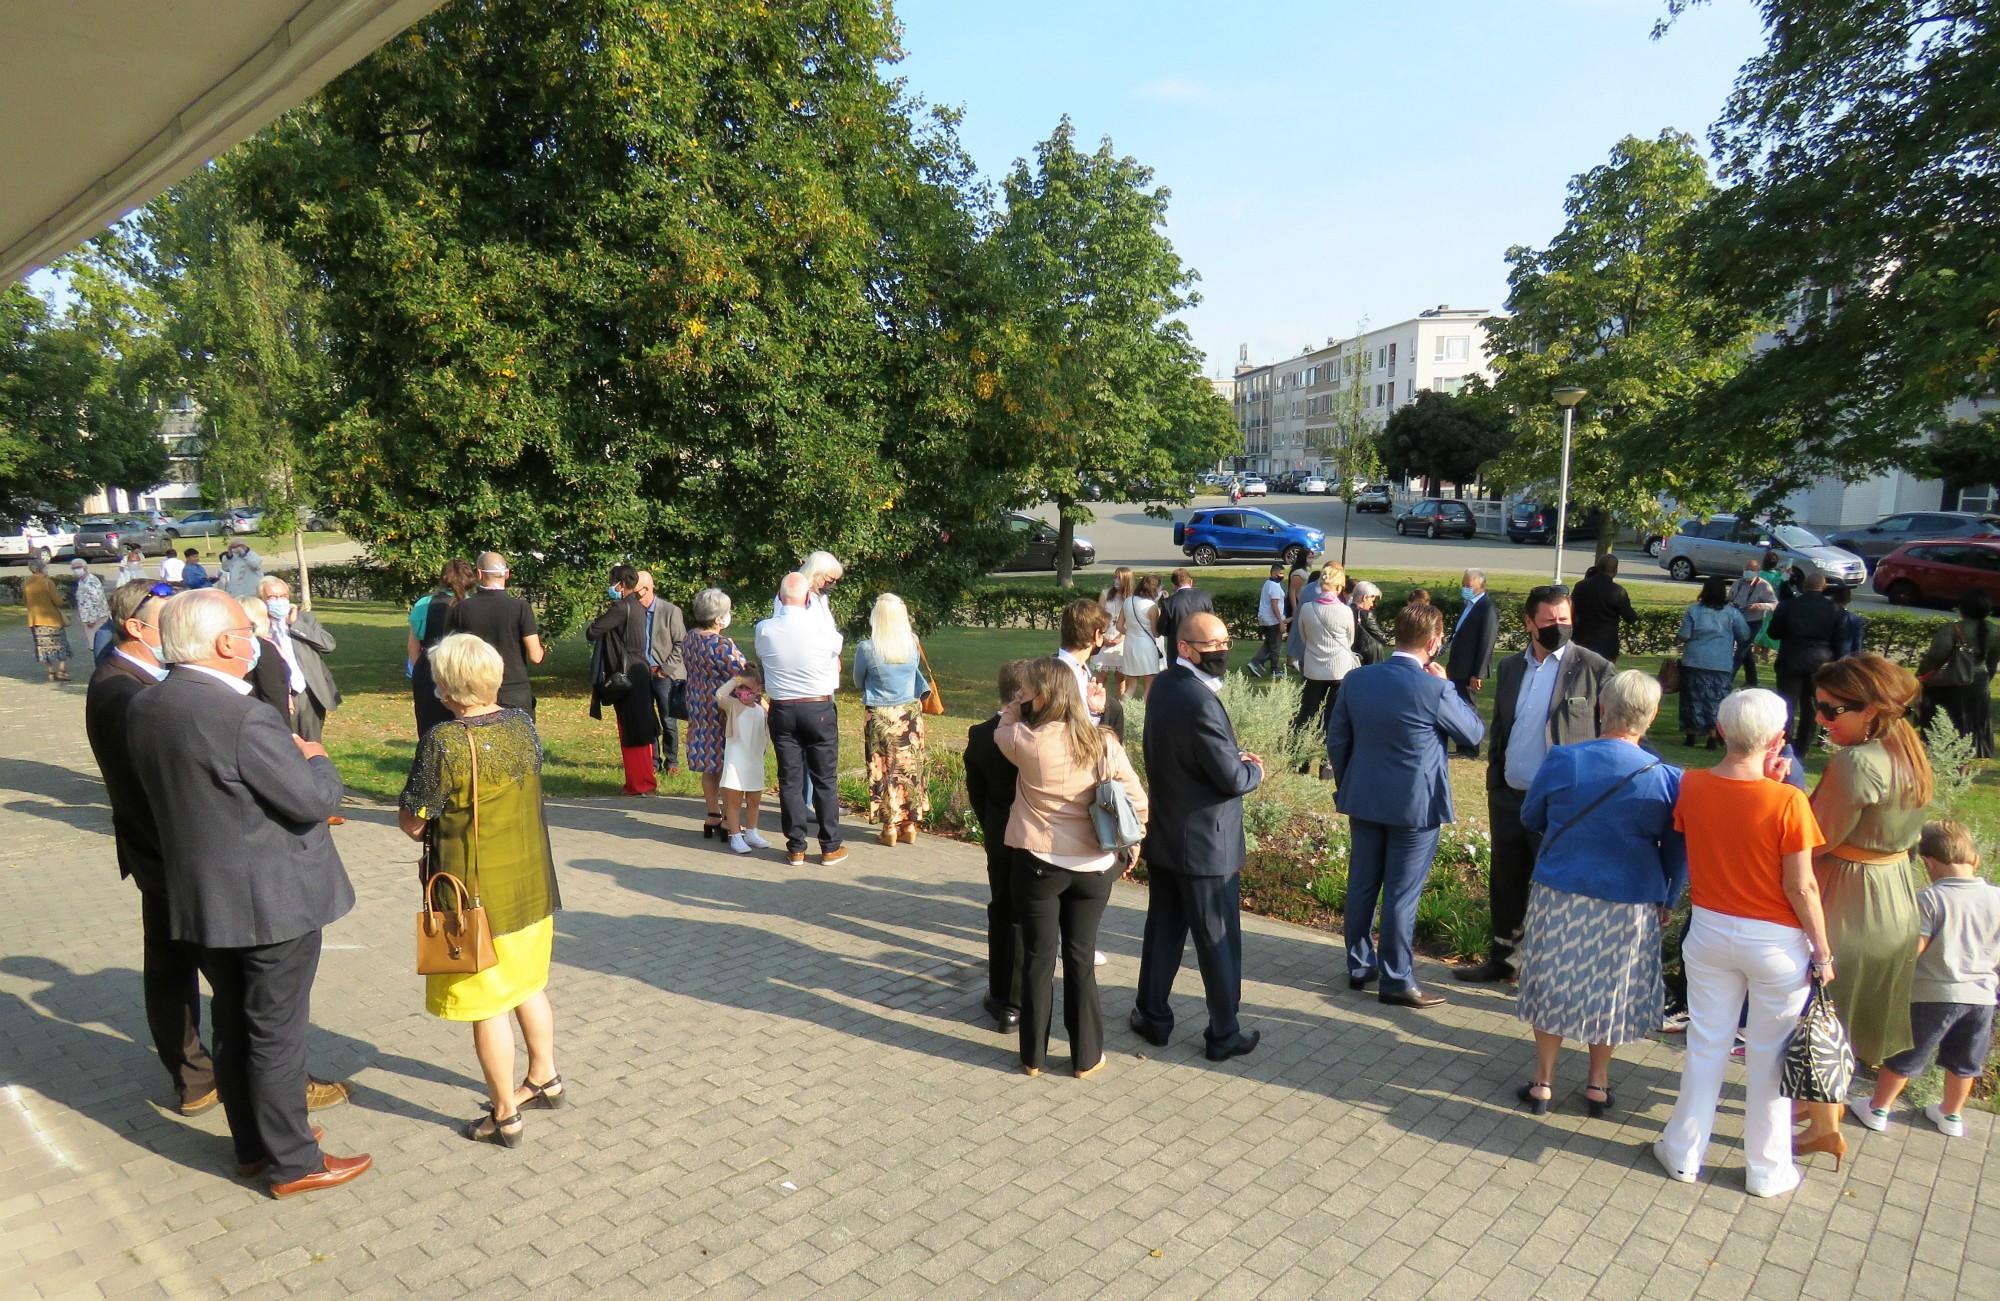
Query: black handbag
point(1960, 669)
point(677, 700)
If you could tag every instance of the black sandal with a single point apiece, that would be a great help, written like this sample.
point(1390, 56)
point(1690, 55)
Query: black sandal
point(1539, 1106)
point(712, 828)
point(1596, 1107)
point(500, 1133)
point(542, 1097)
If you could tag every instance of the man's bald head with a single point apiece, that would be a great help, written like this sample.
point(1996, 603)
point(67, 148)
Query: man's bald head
point(492, 569)
point(1199, 633)
point(793, 589)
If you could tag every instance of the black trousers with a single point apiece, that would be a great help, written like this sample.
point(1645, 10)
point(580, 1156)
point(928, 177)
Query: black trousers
point(1272, 653)
point(1208, 908)
point(262, 1009)
point(308, 719)
point(1003, 931)
point(172, 986)
point(1465, 692)
point(1746, 659)
point(805, 735)
point(667, 749)
point(1060, 910)
point(1315, 703)
point(1514, 850)
point(1797, 689)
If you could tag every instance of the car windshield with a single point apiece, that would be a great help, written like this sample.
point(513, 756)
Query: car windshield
point(1795, 537)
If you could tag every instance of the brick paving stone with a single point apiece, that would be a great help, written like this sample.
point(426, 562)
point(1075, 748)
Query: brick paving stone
point(733, 1026)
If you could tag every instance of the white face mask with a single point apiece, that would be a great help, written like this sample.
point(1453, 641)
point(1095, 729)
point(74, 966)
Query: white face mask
point(77, 572)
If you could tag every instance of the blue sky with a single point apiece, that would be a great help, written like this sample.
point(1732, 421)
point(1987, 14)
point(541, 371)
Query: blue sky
point(1332, 160)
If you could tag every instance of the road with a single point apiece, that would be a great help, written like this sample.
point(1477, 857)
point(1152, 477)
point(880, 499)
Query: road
point(1125, 535)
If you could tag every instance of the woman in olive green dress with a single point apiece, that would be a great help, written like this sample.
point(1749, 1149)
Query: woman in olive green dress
point(509, 867)
point(1870, 806)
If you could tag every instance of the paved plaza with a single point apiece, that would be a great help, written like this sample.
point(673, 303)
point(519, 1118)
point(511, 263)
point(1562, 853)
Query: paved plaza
point(783, 1086)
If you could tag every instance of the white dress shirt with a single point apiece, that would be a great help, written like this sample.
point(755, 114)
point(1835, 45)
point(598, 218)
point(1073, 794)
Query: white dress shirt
point(1528, 742)
point(799, 650)
point(153, 671)
point(1081, 670)
point(241, 686)
point(281, 637)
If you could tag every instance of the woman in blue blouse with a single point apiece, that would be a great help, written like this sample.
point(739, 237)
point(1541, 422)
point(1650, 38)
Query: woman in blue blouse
point(1610, 868)
point(1713, 637)
point(888, 670)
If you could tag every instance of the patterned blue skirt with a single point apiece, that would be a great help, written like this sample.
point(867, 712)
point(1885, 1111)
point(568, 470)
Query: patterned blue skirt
point(1590, 968)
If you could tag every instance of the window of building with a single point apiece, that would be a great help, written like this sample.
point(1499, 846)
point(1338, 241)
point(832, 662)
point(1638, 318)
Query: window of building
point(1382, 356)
point(1410, 392)
point(1448, 384)
point(1378, 395)
point(1983, 498)
point(1454, 347)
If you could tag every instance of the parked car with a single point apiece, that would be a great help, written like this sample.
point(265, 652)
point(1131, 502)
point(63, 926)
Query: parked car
point(1653, 545)
point(1374, 497)
point(1939, 573)
point(246, 519)
point(1255, 486)
point(105, 537)
point(201, 524)
point(37, 538)
point(1892, 531)
point(1209, 535)
point(1530, 521)
point(1038, 546)
point(1725, 544)
point(1314, 486)
point(1435, 517)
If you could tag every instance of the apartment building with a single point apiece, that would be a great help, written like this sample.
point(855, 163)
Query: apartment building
point(180, 430)
point(1287, 410)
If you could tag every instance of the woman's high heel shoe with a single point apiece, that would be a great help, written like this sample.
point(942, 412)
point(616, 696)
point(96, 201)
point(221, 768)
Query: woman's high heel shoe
point(1833, 1143)
point(1539, 1106)
point(543, 1097)
point(507, 1133)
point(1598, 1106)
point(713, 826)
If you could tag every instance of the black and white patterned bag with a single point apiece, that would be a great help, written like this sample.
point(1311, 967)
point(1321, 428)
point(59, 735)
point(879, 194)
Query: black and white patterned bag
point(1819, 1059)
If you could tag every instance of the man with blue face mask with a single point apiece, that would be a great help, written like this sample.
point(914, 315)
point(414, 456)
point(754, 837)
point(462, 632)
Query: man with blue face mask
point(1469, 661)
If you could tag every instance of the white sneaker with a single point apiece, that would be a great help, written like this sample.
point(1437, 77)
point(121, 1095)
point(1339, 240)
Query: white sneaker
point(1949, 1126)
point(755, 841)
point(1674, 1023)
point(1863, 1110)
point(1776, 1190)
point(1100, 959)
point(1674, 1172)
point(739, 843)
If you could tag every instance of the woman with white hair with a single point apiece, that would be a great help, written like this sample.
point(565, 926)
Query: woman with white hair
point(1371, 639)
point(474, 796)
point(822, 571)
point(1757, 931)
point(1612, 865)
point(888, 669)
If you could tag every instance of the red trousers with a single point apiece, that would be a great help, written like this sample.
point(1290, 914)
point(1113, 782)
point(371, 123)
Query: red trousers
point(639, 778)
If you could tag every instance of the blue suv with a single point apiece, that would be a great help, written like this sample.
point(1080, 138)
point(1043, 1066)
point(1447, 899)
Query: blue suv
point(1208, 535)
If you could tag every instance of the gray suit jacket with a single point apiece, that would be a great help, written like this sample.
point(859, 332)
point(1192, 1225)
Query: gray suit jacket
point(241, 815)
point(309, 642)
point(669, 631)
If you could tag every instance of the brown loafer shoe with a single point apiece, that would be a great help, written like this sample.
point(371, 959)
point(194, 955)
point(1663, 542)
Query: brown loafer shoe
point(338, 1170)
point(833, 857)
point(251, 1169)
point(197, 1105)
point(321, 1094)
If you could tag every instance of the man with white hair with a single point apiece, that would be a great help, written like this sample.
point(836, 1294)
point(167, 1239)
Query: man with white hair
point(301, 641)
point(799, 652)
point(248, 799)
point(507, 624)
point(242, 570)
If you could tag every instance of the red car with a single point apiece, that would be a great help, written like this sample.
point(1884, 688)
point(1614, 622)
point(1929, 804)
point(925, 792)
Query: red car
point(1939, 573)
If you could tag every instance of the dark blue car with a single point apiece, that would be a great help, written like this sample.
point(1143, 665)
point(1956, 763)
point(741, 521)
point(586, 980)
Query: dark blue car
point(1209, 535)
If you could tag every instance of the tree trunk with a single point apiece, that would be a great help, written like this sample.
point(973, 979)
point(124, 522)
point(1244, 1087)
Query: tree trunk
point(305, 578)
point(1065, 543)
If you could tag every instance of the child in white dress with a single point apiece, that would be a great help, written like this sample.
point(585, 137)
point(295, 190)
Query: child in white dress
point(742, 780)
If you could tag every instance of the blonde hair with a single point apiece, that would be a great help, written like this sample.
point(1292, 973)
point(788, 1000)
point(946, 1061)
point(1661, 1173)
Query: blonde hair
point(1631, 701)
point(889, 630)
point(1121, 584)
point(260, 614)
point(1947, 841)
point(467, 670)
point(1872, 682)
point(1333, 577)
point(1063, 705)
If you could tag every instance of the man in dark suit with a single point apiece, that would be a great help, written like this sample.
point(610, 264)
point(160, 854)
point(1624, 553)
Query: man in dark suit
point(251, 872)
point(1599, 605)
point(989, 788)
point(1546, 696)
point(1809, 629)
point(1386, 740)
point(171, 974)
point(1197, 777)
point(1470, 660)
point(302, 641)
point(1186, 599)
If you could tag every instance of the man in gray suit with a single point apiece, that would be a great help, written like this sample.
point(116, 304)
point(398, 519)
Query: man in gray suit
point(300, 639)
point(251, 875)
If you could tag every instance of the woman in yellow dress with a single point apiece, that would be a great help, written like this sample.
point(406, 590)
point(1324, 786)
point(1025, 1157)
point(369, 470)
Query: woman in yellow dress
point(510, 868)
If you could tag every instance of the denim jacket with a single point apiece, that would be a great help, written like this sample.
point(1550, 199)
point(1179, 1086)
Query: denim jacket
point(884, 684)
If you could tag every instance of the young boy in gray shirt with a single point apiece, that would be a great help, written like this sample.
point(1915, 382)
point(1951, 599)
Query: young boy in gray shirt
point(1958, 974)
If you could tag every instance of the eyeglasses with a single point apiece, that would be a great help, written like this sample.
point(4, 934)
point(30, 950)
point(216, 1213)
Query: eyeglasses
point(1829, 711)
point(1548, 592)
point(1224, 644)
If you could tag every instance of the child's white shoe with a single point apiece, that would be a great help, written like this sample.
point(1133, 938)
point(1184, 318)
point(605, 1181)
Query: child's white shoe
point(738, 843)
point(1949, 1126)
point(754, 840)
point(1863, 1110)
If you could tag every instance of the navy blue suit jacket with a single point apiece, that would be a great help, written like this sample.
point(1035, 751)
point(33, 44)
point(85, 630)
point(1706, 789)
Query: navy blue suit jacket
point(1195, 778)
point(1386, 739)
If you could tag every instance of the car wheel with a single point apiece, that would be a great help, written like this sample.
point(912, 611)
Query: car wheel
point(1400, 531)
point(1516, 541)
point(1431, 530)
point(1682, 569)
point(1655, 547)
point(1204, 554)
point(1903, 592)
point(173, 535)
point(1295, 557)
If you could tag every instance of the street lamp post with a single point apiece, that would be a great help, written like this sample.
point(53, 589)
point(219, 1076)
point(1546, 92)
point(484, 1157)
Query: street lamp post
point(1566, 398)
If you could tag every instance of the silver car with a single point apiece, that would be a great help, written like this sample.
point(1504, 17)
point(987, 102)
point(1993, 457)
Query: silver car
point(1727, 543)
point(202, 524)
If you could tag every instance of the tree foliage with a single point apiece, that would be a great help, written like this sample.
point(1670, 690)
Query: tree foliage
point(676, 281)
point(1100, 379)
point(1444, 437)
point(1863, 204)
point(1618, 304)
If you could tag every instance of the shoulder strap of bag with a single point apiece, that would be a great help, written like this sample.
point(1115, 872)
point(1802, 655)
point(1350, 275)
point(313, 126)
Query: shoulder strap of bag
point(472, 845)
point(923, 658)
point(1592, 807)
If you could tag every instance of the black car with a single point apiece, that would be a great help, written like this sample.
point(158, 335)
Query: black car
point(1038, 546)
point(1437, 517)
point(1530, 521)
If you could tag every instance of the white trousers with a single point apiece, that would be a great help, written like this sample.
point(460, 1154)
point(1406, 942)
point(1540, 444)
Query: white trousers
point(1727, 958)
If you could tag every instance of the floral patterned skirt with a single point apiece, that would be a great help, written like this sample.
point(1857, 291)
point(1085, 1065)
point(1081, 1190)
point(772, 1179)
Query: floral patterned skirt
point(894, 741)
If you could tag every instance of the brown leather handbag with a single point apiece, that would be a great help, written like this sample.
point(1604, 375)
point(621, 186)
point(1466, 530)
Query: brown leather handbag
point(934, 698)
point(457, 940)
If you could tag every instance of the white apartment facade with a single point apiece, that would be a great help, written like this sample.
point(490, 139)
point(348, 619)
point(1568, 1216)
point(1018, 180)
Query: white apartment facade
point(180, 430)
point(1286, 410)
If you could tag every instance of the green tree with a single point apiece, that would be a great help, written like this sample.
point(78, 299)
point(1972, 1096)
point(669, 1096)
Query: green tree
point(1101, 380)
point(1349, 441)
point(1445, 438)
point(609, 278)
point(1619, 304)
point(1966, 453)
point(1863, 202)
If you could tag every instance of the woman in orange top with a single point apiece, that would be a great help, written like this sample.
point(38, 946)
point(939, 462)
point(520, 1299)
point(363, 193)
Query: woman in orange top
point(1757, 929)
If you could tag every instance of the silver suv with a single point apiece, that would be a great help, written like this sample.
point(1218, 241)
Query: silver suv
point(1727, 543)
